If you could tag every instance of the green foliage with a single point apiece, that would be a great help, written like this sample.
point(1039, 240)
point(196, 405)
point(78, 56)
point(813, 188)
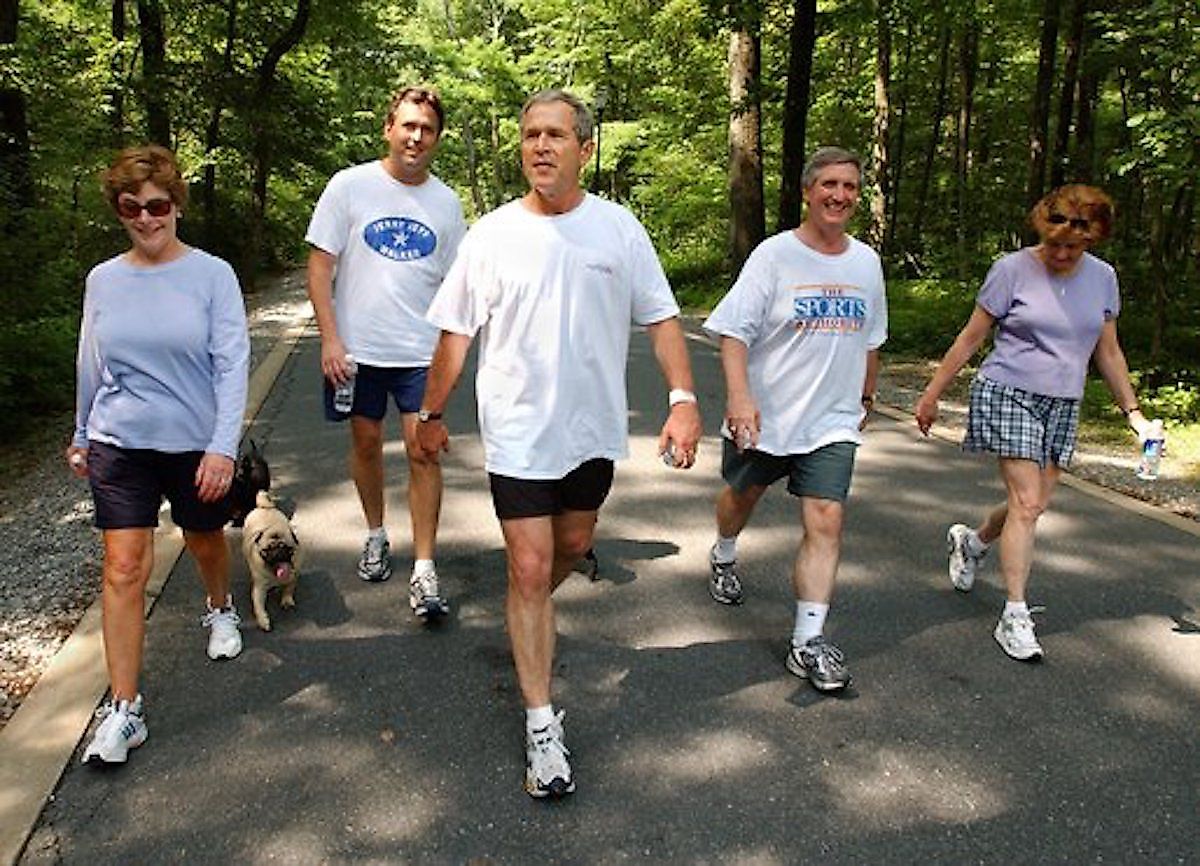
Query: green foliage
point(924, 316)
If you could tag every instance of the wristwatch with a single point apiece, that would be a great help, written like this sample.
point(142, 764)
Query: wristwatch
point(424, 415)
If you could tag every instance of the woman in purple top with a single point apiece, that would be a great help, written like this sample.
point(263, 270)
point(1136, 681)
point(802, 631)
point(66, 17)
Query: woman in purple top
point(1053, 307)
point(162, 368)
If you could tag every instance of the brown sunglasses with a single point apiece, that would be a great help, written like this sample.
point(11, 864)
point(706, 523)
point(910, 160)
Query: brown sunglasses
point(131, 208)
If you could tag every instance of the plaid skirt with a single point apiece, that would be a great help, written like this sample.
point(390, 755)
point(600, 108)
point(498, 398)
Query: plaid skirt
point(1010, 422)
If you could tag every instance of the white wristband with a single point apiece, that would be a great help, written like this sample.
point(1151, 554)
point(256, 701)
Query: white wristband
point(680, 395)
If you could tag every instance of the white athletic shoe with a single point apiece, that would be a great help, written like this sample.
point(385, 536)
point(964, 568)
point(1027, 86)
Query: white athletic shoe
point(123, 728)
point(1014, 633)
point(547, 773)
point(224, 638)
point(963, 563)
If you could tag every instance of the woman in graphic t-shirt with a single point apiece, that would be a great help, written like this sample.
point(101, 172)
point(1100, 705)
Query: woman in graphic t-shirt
point(163, 358)
point(1054, 306)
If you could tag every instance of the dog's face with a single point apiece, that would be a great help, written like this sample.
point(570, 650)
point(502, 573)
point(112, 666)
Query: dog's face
point(251, 475)
point(272, 549)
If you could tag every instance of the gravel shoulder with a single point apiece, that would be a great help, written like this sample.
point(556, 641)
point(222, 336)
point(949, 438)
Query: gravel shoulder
point(50, 572)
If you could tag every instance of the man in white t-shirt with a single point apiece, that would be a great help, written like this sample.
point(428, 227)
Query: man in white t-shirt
point(551, 282)
point(800, 332)
point(389, 230)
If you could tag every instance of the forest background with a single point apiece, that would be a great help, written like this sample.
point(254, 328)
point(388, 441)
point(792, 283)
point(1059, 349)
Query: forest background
point(966, 111)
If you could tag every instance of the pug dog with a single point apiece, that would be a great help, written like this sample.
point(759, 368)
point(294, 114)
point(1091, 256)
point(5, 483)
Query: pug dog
point(250, 475)
point(273, 556)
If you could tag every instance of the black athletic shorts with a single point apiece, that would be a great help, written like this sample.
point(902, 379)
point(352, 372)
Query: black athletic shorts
point(584, 488)
point(128, 486)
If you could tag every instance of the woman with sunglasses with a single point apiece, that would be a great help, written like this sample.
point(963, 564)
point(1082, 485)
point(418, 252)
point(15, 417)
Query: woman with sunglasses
point(1053, 306)
point(162, 368)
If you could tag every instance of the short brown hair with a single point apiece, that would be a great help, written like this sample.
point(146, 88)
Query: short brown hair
point(134, 166)
point(418, 96)
point(823, 157)
point(1057, 216)
point(583, 118)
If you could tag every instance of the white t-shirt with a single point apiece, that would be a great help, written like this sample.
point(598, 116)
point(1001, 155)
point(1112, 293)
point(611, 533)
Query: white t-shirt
point(809, 320)
point(553, 297)
point(394, 243)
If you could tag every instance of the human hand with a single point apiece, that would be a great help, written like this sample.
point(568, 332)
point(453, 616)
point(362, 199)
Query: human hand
point(77, 460)
point(214, 476)
point(433, 437)
point(926, 411)
point(333, 360)
point(743, 422)
point(680, 434)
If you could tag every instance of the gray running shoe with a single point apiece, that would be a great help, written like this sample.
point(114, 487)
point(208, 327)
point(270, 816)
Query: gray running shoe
point(963, 564)
point(1014, 633)
point(547, 773)
point(375, 565)
point(424, 596)
point(821, 663)
point(724, 585)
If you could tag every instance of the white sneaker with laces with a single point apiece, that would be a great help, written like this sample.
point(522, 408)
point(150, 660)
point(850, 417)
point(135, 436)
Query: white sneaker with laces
point(375, 565)
point(123, 728)
point(425, 597)
point(963, 563)
point(547, 772)
point(1014, 633)
point(224, 638)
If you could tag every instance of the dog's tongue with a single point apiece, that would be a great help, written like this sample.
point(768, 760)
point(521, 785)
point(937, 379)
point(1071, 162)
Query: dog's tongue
point(283, 571)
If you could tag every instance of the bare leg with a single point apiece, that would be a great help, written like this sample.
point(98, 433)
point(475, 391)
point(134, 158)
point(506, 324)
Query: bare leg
point(128, 558)
point(1029, 491)
point(366, 467)
point(212, 557)
point(424, 492)
point(734, 509)
point(820, 551)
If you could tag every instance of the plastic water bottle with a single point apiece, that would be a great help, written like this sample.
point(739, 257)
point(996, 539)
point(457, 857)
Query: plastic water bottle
point(1152, 447)
point(343, 394)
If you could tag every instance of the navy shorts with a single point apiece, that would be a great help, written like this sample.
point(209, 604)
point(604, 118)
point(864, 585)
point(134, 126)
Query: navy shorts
point(584, 488)
point(128, 486)
point(1010, 422)
point(821, 474)
point(373, 385)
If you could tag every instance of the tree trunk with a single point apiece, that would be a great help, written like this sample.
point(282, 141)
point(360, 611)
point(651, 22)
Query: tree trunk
point(935, 134)
point(154, 71)
point(881, 127)
point(1066, 98)
point(1039, 126)
point(968, 57)
point(898, 154)
point(747, 222)
point(212, 135)
point(468, 134)
point(1084, 159)
point(116, 87)
point(801, 43)
point(16, 169)
point(264, 130)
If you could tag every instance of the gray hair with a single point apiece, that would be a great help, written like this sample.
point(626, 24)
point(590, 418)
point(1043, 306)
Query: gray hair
point(583, 117)
point(824, 157)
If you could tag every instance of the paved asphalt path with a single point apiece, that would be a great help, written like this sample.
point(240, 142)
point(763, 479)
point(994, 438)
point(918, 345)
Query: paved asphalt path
point(352, 734)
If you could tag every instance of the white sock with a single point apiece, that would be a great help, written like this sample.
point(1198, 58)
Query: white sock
point(810, 621)
point(1012, 608)
point(422, 567)
point(375, 532)
point(537, 718)
point(974, 544)
point(725, 550)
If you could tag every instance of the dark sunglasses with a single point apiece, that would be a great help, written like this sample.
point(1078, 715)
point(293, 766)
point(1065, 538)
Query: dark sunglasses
point(131, 208)
point(1059, 219)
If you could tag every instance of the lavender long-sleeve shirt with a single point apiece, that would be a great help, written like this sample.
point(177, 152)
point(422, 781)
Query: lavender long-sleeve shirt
point(163, 356)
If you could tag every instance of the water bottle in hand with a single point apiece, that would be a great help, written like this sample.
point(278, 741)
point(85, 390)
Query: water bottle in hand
point(1152, 447)
point(343, 394)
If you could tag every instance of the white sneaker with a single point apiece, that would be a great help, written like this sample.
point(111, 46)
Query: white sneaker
point(547, 773)
point(123, 728)
point(963, 563)
point(375, 564)
point(1014, 633)
point(224, 639)
point(424, 596)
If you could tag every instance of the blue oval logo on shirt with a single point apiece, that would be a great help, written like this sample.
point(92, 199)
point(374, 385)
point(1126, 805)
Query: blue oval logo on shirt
point(400, 239)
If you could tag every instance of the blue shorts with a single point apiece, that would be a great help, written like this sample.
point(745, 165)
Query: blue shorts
point(372, 385)
point(128, 486)
point(821, 474)
point(584, 488)
point(1010, 422)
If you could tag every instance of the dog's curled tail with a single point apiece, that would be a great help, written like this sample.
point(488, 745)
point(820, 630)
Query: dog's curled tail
point(263, 500)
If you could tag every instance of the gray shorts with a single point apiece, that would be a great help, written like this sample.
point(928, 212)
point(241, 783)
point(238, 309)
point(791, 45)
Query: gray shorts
point(821, 474)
